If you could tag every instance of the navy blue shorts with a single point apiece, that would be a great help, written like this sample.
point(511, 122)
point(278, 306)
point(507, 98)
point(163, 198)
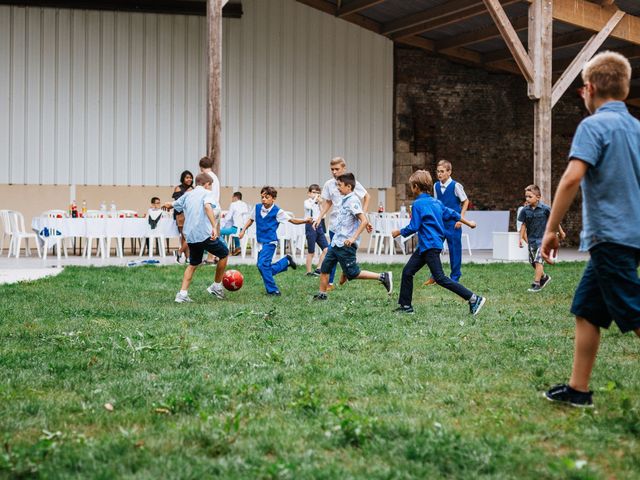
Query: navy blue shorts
point(215, 247)
point(346, 257)
point(315, 235)
point(610, 288)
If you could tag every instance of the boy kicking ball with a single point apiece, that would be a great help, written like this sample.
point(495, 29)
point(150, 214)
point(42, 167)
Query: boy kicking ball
point(350, 222)
point(201, 232)
point(428, 217)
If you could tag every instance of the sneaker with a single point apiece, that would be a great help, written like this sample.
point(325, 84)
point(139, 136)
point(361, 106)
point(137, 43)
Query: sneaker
point(317, 272)
point(216, 291)
point(387, 281)
point(544, 281)
point(292, 262)
point(235, 252)
point(567, 395)
point(178, 256)
point(320, 296)
point(310, 274)
point(183, 298)
point(408, 309)
point(274, 294)
point(429, 282)
point(535, 287)
point(331, 287)
point(475, 307)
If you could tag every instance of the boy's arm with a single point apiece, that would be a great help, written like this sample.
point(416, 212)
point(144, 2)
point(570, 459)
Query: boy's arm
point(208, 208)
point(244, 229)
point(465, 206)
point(363, 224)
point(565, 193)
point(523, 235)
point(414, 225)
point(468, 223)
point(300, 221)
point(326, 205)
point(563, 235)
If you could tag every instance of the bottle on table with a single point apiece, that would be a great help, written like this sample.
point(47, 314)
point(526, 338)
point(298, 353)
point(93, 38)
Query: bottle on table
point(84, 208)
point(380, 208)
point(114, 210)
point(74, 209)
point(103, 209)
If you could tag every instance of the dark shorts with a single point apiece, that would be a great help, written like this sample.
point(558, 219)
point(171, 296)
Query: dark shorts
point(535, 256)
point(214, 247)
point(346, 257)
point(315, 236)
point(610, 288)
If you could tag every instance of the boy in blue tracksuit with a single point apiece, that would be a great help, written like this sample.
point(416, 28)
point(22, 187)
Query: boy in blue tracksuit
point(268, 216)
point(428, 218)
point(453, 196)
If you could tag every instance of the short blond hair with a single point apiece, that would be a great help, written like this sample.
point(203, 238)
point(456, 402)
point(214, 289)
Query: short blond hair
point(533, 189)
point(445, 163)
point(422, 180)
point(338, 161)
point(610, 73)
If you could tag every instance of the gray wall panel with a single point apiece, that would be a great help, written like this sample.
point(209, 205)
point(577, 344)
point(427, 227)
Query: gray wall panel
point(107, 98)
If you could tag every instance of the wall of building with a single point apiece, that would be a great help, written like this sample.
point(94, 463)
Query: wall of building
point(117, 98)
point(480, 121)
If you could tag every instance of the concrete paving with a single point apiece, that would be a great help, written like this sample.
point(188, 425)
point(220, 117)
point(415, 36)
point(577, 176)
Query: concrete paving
point(32, 268)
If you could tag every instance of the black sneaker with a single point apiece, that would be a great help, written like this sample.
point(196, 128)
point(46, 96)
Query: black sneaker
point(408, 309)
point(320, 296)
point(310, 274)
point(567, 395)
point(535, 287)
point(317, 272)
point(292, 262)
point(386, 279)
point(274, 294)
point(544, 281)
point(475, 307)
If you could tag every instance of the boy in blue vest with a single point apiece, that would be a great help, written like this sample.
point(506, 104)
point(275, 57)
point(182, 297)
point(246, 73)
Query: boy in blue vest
point(268, 216)
point(349, 224)
point(452, 195)
point(604, 160)
point(428, 220)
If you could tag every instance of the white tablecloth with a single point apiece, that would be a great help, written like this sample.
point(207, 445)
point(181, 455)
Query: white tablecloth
point(488, 222)
point(112, 227)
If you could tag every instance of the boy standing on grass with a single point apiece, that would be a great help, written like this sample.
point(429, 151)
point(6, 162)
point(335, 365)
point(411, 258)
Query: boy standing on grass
point(201, 232)
point(534, 218)
point(349, 224)
point(268, 216)
point(314, 235)
point(206, 166)
point(605, 161)
point(428, 219)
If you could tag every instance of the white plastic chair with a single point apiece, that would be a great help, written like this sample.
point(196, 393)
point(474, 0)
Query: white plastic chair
point(249, 236)
point(113, 231)
point(19, 233)
point(465, 236)
point(6, 230)
point(51, 236)
point(387, 222)
point(374, 237)
point(155, 234)
point(96, 230)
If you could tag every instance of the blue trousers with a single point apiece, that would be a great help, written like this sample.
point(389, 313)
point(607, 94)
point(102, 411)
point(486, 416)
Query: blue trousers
point(267, 269)
point(454, 242)
point(229, 231)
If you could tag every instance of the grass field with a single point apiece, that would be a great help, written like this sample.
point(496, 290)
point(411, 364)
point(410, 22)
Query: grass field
point(103, 376)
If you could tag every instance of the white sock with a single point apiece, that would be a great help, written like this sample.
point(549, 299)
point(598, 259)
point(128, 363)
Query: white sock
point(217, 285)
point(184, 293)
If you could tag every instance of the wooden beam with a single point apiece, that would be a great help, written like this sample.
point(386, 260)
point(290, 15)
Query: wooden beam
point(449, 12)
point(355, 6)
point(214, 93)
point(588, 51)
point(482, 35)
point(511, 38)
point(594, 17)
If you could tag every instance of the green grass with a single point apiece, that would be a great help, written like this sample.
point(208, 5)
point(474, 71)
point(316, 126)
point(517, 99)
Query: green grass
point(260, 387)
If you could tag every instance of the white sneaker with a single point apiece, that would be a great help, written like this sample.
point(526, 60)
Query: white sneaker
point(217, 291)
point(183, 298)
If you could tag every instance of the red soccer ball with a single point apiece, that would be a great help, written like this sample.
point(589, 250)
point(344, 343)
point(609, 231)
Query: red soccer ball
point(232, 280)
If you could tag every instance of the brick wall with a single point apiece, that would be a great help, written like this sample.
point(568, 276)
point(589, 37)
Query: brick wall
point(482, 122)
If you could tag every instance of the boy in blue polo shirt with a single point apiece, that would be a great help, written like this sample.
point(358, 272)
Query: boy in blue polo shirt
point(428, 217)
point(605, 161)
point(349, 224)
point(268, 216)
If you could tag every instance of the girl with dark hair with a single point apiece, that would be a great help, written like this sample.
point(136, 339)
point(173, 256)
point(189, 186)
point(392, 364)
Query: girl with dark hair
point(186, 185)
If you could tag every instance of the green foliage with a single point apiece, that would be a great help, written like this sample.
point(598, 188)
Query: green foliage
point(102, 375)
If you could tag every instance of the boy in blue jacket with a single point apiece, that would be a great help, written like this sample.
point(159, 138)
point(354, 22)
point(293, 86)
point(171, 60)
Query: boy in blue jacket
point(428, 218)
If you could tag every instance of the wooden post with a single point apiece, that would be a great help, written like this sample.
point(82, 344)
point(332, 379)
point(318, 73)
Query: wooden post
point(540, 90)
point(214, 91)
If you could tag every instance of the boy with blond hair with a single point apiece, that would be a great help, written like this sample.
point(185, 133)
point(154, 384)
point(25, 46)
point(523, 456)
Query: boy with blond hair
point(604, 160)
point(428, 219)
point(534, 218)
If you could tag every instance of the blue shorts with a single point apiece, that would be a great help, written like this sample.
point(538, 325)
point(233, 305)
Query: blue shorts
point(215, 247)
point(610, 288)
point(315, 236)
point(346, 257)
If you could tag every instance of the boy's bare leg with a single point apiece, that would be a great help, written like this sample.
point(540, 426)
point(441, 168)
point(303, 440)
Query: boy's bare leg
point(324, 282)
point(220, 267)
point(188, 275)
point(324, 252)
point(309, 260)
point(366, 275)
point(343, 279)
point(539, 273)
point(585, 351)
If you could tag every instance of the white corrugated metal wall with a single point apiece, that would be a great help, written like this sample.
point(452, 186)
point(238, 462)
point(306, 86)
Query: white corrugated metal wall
point(114, 98)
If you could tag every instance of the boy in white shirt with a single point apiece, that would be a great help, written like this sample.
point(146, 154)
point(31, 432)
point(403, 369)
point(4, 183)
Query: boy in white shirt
point(314, 235)
point(234, 219)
